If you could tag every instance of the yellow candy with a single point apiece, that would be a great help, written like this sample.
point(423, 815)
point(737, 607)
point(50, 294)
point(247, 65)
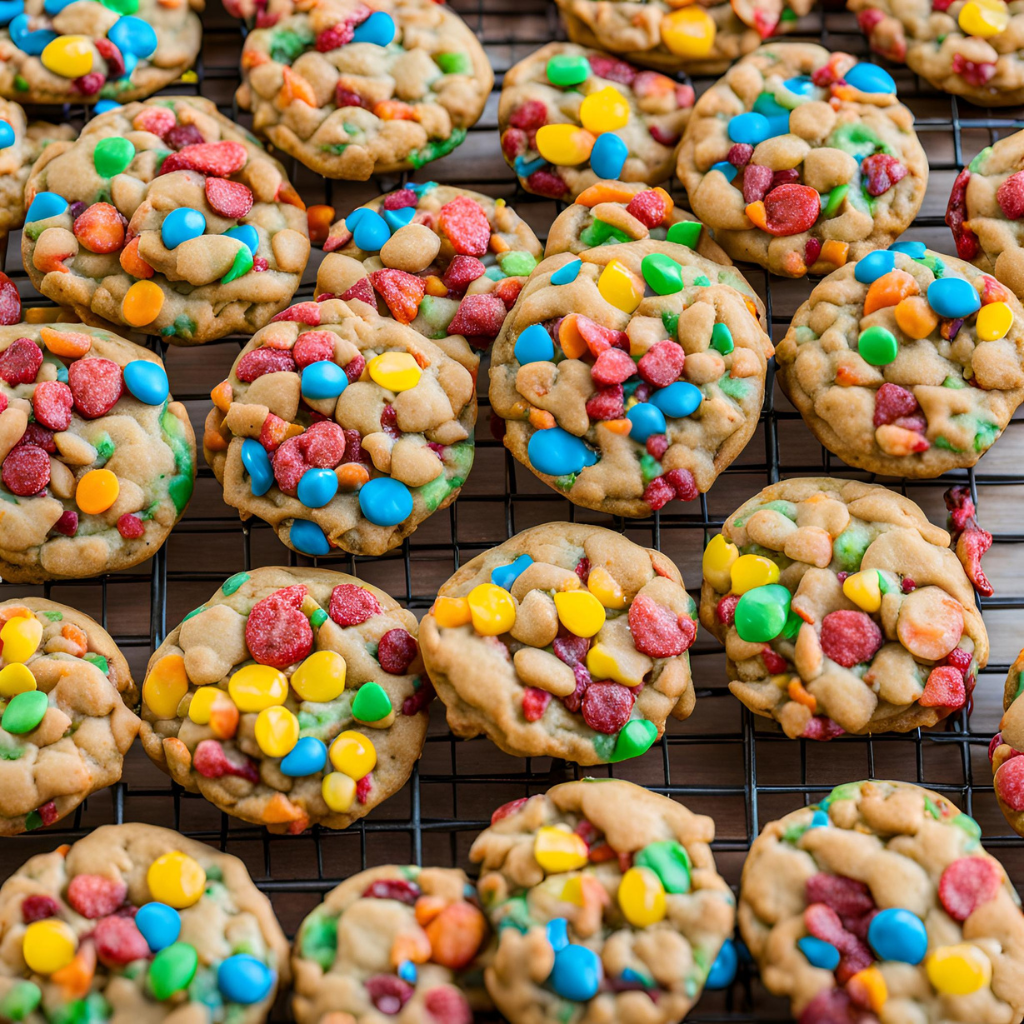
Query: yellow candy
point(256, 687)
point(142, 303)
point(602, 664)
point(353, 754)
point(165, 685)
point(978, 18)
point(492, 609)
point(719, 556)
point(604, 111)
point(619, 286)
point(21, 638)
point(452, 611)
point(395, 371)
point(564, 144)
point(97, 491)
point(321, 677)
point(958, 970)
point(580, 612)
point(863, 590)
point(688, 32)
point(749, 571)
point(603, 586)
point(201, 705)
point(339, 791)
point(994, 320)
point(873, 982)
point(68, 56)
point(48, 945)
point(572, 891)
point(641, 897)
point(176, 879)
point(557, 850)
point(16, 679)
point(277, 731)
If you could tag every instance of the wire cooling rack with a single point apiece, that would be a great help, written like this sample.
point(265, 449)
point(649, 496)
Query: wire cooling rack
point(723, 761)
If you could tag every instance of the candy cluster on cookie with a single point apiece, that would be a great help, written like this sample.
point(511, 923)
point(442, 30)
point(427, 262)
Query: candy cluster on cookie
point(879, 903)
point(842, 609)
point(800, 160)
point(1006, 751)
point(387, 939)
point(569, 117)
point(441, 259)
point(353, 89)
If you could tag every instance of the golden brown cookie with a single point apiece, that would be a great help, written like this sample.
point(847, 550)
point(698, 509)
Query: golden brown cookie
point(1007, 748)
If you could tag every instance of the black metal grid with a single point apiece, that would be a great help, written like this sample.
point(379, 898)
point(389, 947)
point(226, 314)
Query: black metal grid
point(741, 769)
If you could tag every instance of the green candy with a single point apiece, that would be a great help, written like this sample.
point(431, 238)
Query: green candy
point(54, 616)
point(685, 232)
point(792, 626)
point(435, 314)
point(967, 824)
point(849, 547)
point(956, 383)
point(634, 739)
point(568, 69)
point(975, 165)
point(105, 447)
point(111, 156)
point(985, 435)
point(662, 273)
point(122, 6)
point(172, 970)
point(99, 661)
point(195, 611)
point(242, 265)
point(318, 939)
point(24, 712)
point(600, 232)
point(844, 791)
point(701, 281)
point(835, 200)
point(670, 321)
point(761, 613)
point(22, 999)
point(232, 583)
point(650, 467)
point(517, 263)
point(435, 149)
point(318, 618)
point(454, 63)
point(669, 861)
point(735, 387)
point(371, 703)
point(721, 339)
point(878, 346)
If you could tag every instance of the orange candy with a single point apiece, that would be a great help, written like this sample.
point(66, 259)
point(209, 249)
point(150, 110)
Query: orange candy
point(319, 218)
point(100, 228)
point(75, 979)
point(456, 934)
point(76, 638)
point(279, 809)
point(435, 286)
point(413, 946)
point(756, 213)
point(71, 344)
point(286, 194)
point(221, 395)
point(835, 252)
point(797, 692)
point(132, 263)
point(97, 491)
point(570, 339)
point(394, 110)
point(541, 419)
point(214, 440)
point(915, 318)
point(498, 244)
point(427, 908)
point(351, 476)
point(621, 427)
point(296, 88)
point(603, 194)
point(224, 717)
point(890, 290)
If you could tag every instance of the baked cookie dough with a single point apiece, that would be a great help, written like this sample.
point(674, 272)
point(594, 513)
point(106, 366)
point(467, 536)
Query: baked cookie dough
point(97, 461)
point(616, 435)
point(879, 903)
point(844, 175)
point(569, 117)
point(443, 260)
point(86, 51)
point(842, 609)
point(972, 49)
point(391, 942)
point(351, 92)
point(565, 641)
point(343, 431)
point(607, 905)
point(908, 363)
point(136, 922)
point(293, 697)
point(166, 218)
point(68, 718)
point(1006, 752)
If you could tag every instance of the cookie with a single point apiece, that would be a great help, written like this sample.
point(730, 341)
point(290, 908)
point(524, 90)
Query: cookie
point(1007, 747)
point(879, 903)
point(842, 609)
point(444, 260)
point(293, 697)
point(843, 176)
point(970, 49)
point(97, 460)
point(704, 40)
point(390, 942)
point(616, 435)
point(569, 117)
point(137, 922)
point(606, 902)
point(908, 363)
point(565, 641)
point(68, 718)
point(352, 91)
point(260, 13)
point(166, 218)
point(95, 51)
point(343, 431)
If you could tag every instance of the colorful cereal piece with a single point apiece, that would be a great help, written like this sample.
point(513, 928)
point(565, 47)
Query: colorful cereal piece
point(255, 687)
point(580, 612)
point(147, 381)
point(566, 274)
point(750, 571)
point(385, 502)
point(20, 637)
point(505, 575)
point(97, 491)
point(557, 850)
point(353, 754)
point(321, 677)
point(176, 879)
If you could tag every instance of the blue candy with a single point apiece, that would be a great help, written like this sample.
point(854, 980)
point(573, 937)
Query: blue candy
point(399, 218)
point(768, 105)
point(678, 399)
point(44, 206)
point(247, 235)
point(323, 379)
point(379, 29)
point(534, 345)
point(29, 41)
point(133, 35)
point(647, 419)
point(307, 757)
point(505, 575)
point(799, 86)
point(385, 502)
point(308, 538)
point(896, 934)
point(568, 273)
point(105, 106)
point(257, 465)
point(558, 453)
point(819, 820)
point(244, 979)
point(577, 973)
point(915, 250)
point(11, 9)
point(317, 487)
point(726, 168)
point(819, 953)
point(558, 933)
point(608, 156)
point(130, 60)
point(356, 216)
point(953, 297)
point(421, 188)
point(723, 970)
point(870, 78)
point(181, 225)
point(874, 265)
point(146, 381)
point(407, 972)
point(778, 125)
point(160, 925)
point(53, 7)
point(750, 128)
point(524, 168)
point(6, 135)
point(371, 232)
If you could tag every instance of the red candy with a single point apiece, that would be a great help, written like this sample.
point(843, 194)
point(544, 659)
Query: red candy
point(478, 316)
point(211, 762)
point(462, 272)
point(506, 810)
point(973, 72)
point(849, 638)
point(95, 896)
point(51, 403)
point(615, 70)
point(967, 884)
point(574, 700)
point(582, 569)
point(812, 250)
point(684, 483)
point(26, 470)
point(401, 292)
point(535, 703)
point(393, 889)
point(967, 245)
point(893, 402)
point(656, 445)
point(607, 706)
point(530, 116)
point(607, 404)
point(10, 301)
point(219, 159)
point(361, 290)
point(182, 135)
point(388, 992)
point(20, 361)
point(649, 207)
point(302, 312)
point(571, 649)
point(130, 527)
point(419, 700)
point(1010, 196)
point(323, 444)
point(277, 633)
point(739, 155)
point(39, 436)
point(447, 1005)
point(774, 663)
point(289, 464)
point(658, 493)
point(612, 366)
point(657, 631)
point(791, 209)
point(100, 228)
point(546, 183)
point(334, 37)
point(1009, 783)
point(822, 728)
point(67, 524)
point(396, 651)
point(726, 609)
point(352, 605)
point(832, 1006)
point(757, 180)
point(38, 908)
point(882, 172)
point(156, 120)
point(508, 289)
point(313, 347)
point(264, 360)
point(846, 896)
point(400, 200)
point(466, 226)
point(662, 363)
point(945, 688)
point(119, 941)
point(598, 338)
point(96, 385)
point(228, 198)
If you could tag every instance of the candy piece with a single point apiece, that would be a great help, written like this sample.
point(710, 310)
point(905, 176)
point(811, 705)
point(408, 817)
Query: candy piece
point(277, 633)
point(606, 706)
point(892, 403)
point(605, 110)
point(567, 69)
point(321, 677)
point(850, 638)
point(165, 686)
point(20, 638)
point(688, 32)
point(20, 362)
point(112, 155)
point(244, 979)
point(877, 345)
point(317, 487)
point(230, 199)
point(492, 609)
point(378, 29)
point(307, 757)
point(352, 605)
point(869, 78)
point(48, 945)
point(557, 850)
point(559, 453)
point(984, 18)
point(662, 273)
point(750, 571)
point(564, 145)
point(44, 206)
point(100, 228)
point(657, 631)
point(863, 589)
point(945, 688)
point(216, 159)
point(717, 563)
point(257, 465)
point(24, 712)
point(396, 651)
point(15, 679)
point(96, 385)
point(994, 321)
point(958, 970)
point(645, 419)
point(579, 611)
point(172, 970)
point(875, 265)
point(641, 897)
point(371, 704)
point(899, 935)
point(953, 297)
point(749, 128)
point(245, 233)
point(534, 345)
point(146, 380)
point(277, 731)
point(385, 502)
point(889, 290)
point(760, 614)
point(353, 754)
point(133, 36)
point(677, 400)
point(819, 953)
point(176, 879)
point(466, 226)
point(608, 156)
point(370, 232)
point(181, 225)
point(68, 56)
point(142, 303)
point(96, 491)
point(260, 361)
point(395, 371)
point(577, 973)
point(669, 861)
point(967, 884)
point(452, 612)
point(255, 687)
point(160, 925)
point(95, 896)
point(619, 286)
